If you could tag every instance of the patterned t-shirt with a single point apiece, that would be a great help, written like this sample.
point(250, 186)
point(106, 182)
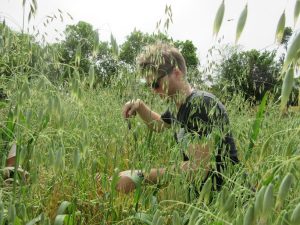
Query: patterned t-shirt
point(204, 116)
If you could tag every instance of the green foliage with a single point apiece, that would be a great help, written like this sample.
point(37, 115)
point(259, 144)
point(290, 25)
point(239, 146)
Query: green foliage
point(135, 42)
point(19, 53)
point(189, 52)
point(287, 33)
point(251, 73)
point(71, 138)
point(79, 44)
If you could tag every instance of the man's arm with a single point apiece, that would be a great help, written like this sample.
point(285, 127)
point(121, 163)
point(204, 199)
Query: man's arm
point(152, 119)
point(199, 155)
point(199, 158)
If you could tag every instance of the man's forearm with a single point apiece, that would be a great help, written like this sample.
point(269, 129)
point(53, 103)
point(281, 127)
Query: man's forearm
point(151, 118)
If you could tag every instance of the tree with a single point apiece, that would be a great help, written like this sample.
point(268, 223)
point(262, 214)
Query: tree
point(106, 65)
point(135, 42)
point(251, 73)
point(287, 33)
point(189, 52)
point(81, 42)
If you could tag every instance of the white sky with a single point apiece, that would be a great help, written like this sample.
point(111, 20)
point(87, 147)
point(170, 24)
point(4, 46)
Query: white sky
point(192, 19)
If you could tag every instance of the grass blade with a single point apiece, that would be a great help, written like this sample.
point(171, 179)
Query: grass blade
point(63, 207)
point(256, 125)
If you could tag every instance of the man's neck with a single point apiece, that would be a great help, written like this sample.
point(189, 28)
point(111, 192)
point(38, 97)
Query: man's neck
point(182, 94)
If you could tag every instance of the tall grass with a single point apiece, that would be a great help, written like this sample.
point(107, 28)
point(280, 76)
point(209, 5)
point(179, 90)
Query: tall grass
point(71, 138)
point(64, 140)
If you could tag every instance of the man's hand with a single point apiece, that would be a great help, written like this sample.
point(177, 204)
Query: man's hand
point(130, 108)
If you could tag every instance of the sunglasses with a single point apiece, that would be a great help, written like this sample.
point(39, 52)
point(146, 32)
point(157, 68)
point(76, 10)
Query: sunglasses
point(155, 83)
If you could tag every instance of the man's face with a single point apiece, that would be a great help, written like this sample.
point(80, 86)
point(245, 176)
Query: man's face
point(158, 84)
point(161, 84)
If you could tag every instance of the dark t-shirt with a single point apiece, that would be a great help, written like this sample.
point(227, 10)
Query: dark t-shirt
point(203, 115)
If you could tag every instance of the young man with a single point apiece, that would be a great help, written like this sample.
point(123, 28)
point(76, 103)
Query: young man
point(199, 117)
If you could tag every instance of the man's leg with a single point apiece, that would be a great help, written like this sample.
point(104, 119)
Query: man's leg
point(129, 179)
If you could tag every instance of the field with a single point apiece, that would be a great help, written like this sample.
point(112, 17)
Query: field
point(61, 111)
point(68, 134)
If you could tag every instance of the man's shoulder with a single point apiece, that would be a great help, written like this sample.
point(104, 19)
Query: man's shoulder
point(204, 94)
point(200, 99)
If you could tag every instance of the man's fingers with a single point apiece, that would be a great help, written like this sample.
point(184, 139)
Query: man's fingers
point(131, 112)
point(130, 108)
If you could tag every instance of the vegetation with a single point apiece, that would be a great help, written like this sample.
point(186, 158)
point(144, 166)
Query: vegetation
point(60, 104)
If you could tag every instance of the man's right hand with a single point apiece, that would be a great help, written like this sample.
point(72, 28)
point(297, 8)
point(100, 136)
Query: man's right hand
point(130, 108)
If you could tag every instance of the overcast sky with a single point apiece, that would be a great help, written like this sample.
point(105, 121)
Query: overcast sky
point(192, 19)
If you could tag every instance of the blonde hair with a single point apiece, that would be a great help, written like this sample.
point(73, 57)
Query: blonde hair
point(161, 59)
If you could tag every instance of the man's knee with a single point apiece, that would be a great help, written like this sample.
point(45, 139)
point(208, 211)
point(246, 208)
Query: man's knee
point(125, 184)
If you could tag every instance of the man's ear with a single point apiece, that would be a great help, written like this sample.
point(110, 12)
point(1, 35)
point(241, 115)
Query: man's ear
point(177, 72)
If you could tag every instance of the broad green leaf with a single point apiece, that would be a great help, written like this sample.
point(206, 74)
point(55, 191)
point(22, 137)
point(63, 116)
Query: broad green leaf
point(256, 125)
point(280, 28)
point(287, 87)
point(292, 52)
point(296, 11)
point(219, 18)
point(63, 219)
point(241, 23)
point(63, 208)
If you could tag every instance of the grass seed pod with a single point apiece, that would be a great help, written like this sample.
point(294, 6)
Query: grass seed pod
point(284, 188)
point(295, 218)
point(249, 217)
point(259, 199)
point(268, 200)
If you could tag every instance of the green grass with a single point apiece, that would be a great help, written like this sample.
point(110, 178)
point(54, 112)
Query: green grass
point(69, 138)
